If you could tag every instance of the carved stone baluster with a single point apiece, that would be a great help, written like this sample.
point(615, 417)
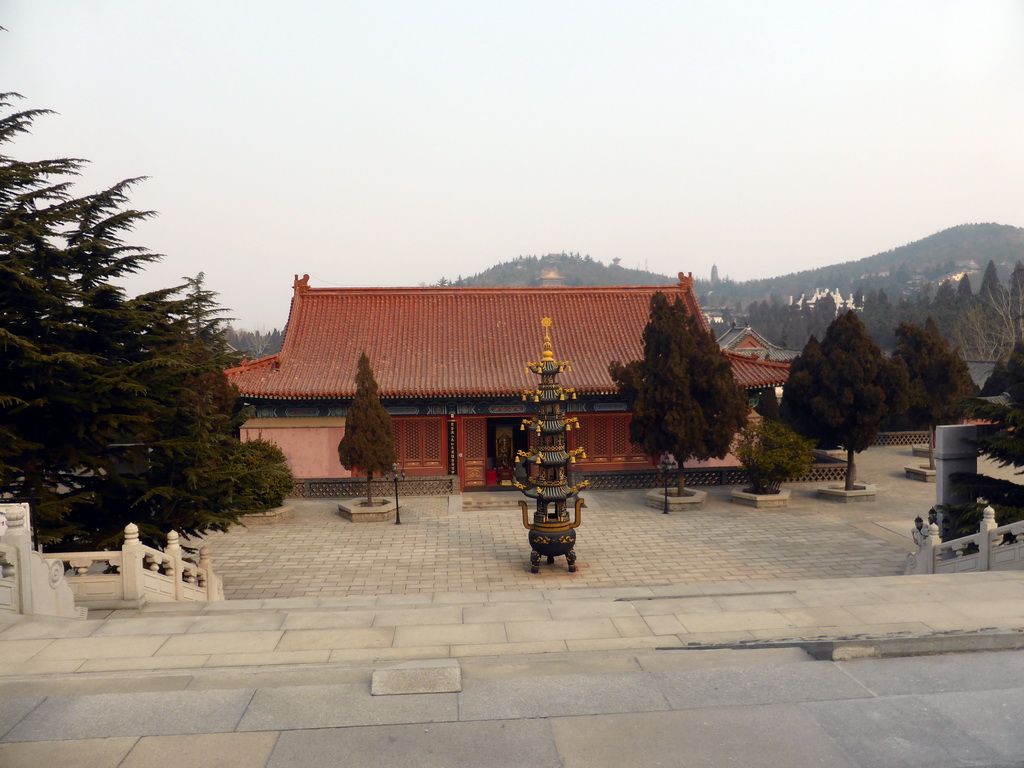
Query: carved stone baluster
point(80, 565)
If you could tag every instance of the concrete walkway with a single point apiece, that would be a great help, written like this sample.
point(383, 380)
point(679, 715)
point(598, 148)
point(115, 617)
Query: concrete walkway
point(677, 675)
point(692, 659)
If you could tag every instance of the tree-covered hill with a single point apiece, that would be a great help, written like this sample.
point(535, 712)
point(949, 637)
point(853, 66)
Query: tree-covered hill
point(572, 268)
point(901, 271)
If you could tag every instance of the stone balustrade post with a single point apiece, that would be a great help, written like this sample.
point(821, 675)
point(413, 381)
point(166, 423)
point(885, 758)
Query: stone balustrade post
point(988, 524)
point(173, 549)
point(927, 554)
point(211, 581)
point(132, 556)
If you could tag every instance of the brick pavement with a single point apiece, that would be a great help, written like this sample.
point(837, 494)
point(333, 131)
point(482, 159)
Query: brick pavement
point(442, 548)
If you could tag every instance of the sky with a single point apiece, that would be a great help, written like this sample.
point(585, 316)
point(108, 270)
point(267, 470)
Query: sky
point(391, 142)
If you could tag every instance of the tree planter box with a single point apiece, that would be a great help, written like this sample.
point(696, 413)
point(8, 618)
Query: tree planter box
point(382, 511)
point(691, 500)
point(862, 492)
point(920, 473)
point(762, 500)
point(268, 516)
point(919, 450)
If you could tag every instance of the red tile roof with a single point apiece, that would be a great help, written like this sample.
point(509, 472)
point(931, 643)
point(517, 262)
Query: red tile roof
point(461, 342)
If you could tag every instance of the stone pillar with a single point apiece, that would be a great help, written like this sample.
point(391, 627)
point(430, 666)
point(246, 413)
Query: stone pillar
point(988, 524)
point(954, 452)
point(131, 565)
point(173, 549)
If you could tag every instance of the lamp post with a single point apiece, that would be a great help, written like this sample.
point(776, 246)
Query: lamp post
point(666, 465)
point(394, 474)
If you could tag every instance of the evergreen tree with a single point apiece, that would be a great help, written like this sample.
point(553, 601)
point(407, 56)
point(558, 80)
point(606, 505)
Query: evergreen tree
point(768, 405)
point(841, 390)
point(368, 444)
point(939, 378)
point(1003, 443)
point(682, 394)
point(990, 286)
point(112, 409)
point(963, 289)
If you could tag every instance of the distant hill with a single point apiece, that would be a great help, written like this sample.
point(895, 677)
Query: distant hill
point(946, 255)
point(570, 268)
point(965, 249)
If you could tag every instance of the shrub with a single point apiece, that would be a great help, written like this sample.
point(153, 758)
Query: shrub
point(772, 452)
point(264, 478)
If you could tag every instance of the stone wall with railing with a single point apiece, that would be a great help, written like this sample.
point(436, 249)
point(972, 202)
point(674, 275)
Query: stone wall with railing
point(137, 574)
point(992, 548)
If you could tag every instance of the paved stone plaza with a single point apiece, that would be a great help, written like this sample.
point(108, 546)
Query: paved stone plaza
point(442, 548)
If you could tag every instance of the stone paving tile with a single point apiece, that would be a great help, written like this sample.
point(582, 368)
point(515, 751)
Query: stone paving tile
point(442, 548)
point(81, 753)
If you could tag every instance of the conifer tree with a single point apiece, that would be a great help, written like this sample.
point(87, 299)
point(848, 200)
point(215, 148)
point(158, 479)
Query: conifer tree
point(963, 289)
point(990, 286)
point(113, 409)
point(682, 394)
point(1003, 442)
point(939, 377)
point(841, 390)
point(768, 405)
point(368, 444)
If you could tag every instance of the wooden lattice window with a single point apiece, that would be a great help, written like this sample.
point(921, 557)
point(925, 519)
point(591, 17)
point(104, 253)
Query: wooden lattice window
point(476, 436)
point(432, 448)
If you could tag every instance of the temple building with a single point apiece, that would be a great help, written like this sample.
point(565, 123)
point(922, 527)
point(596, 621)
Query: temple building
point(449, 363)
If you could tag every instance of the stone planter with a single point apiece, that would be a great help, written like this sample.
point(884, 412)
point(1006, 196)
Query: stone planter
point(921, 473)
point(862, 492)
point(762, 500)
point(268, 516)
point(382, 511)
point(691, 500)
point(920, 450)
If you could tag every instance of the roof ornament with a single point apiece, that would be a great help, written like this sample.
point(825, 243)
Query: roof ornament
point(301, 285)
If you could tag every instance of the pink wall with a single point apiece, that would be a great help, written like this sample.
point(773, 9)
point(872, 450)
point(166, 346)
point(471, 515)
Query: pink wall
point(311, 451)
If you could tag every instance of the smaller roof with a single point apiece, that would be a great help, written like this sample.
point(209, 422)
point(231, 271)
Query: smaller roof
point(745, 340)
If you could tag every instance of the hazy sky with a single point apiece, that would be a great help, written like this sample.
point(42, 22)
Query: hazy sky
point(392, 143)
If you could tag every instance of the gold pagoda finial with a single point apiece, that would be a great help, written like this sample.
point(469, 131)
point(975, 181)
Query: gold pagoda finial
point(548, 355)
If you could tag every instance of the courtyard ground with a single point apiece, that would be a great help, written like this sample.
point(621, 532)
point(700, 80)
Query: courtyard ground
point(441, 547)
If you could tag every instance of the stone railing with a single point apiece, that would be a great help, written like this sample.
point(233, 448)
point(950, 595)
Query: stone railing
point(137, 574)
point(29, 585)
point(992, 548)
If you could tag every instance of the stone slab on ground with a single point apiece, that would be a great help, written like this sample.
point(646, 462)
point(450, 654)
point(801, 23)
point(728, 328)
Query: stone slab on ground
point(421, 676)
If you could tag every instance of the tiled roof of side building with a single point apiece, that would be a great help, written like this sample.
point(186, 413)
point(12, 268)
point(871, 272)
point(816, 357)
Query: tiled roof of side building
point(461, 342)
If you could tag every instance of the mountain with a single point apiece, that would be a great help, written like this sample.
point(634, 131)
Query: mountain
point(570, 268)
point(946, 255)
point(965, 249)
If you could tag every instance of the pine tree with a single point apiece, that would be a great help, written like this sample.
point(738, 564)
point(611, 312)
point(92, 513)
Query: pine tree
point(990, 286)
point(113, 409)
point(1003, 443)
point(768, 405)
point(939, 378)
point(368, 444)
point(841, 390)
point(682, 394)
point(963, 289)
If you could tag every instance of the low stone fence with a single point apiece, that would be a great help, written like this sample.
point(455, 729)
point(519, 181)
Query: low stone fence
point(992, 548)
point(137, 574)
point(353, 487)
point(901, 438)
point(824, 470)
